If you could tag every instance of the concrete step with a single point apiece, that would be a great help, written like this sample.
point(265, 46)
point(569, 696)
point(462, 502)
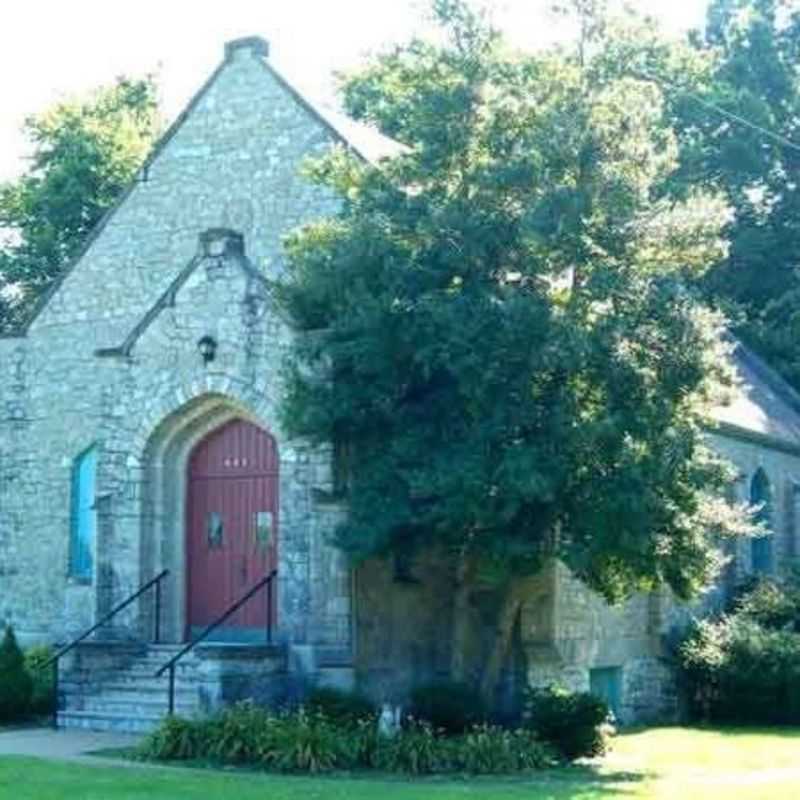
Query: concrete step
point(184, 699)
point(104, 721)
point(131, 708)
point(113, 687)
point(146, 678)
point(132, 656)
point(129, 673)
point(117, 687)
point(131, 689)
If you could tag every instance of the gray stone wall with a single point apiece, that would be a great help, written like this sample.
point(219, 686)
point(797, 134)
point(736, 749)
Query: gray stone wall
point(233, 162)
point(566, 631)
point(575, 631)
point(402, 628)
point(231, 165)
point(782, 468)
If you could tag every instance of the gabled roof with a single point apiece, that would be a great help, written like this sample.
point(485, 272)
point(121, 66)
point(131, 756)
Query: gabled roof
point(764, 407)
point(365, 142)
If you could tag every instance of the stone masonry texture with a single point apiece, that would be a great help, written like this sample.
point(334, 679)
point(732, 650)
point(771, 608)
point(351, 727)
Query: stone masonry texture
point(111, 361)
point(229, 172)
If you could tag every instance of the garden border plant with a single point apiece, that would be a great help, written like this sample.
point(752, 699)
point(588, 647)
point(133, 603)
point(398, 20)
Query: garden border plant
point(575, 723)
point(310, 741)
point(16, 684)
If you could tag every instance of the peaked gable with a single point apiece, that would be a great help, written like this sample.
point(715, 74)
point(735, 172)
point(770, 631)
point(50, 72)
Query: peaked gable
point(230, 160)
point(215, 245)
point(763, 405)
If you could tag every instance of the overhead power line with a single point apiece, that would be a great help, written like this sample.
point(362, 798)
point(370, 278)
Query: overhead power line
point(775, 137)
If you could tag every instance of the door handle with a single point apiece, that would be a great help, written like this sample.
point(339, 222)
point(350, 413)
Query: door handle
point(243, 571)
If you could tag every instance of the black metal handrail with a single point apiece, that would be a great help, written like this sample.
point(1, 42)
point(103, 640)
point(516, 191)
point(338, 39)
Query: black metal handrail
point(232, 609)
point(62, 651)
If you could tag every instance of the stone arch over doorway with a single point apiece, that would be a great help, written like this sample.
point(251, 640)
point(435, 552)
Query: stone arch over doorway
point(163, 515)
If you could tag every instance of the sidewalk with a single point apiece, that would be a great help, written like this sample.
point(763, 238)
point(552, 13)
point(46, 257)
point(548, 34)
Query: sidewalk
point(61, 745)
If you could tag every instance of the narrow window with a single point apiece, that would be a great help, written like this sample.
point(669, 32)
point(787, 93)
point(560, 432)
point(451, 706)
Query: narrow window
point(262, 527)
point(84, 515)
point(214, 530)
point(606, 683)
point(761, 547)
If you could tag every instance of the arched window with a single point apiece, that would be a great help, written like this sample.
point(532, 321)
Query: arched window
point(83, 523)
point(761, 547)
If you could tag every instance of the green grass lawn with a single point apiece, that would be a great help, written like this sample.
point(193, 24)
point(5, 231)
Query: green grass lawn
point(674, 763)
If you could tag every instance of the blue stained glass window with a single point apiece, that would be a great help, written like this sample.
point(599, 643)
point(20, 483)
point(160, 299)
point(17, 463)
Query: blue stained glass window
point(83, 526)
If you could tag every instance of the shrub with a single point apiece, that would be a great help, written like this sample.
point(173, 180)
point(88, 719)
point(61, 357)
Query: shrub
point(366, 743)
point(739, 671)
point(573, 722)
point(16, 685)
point(175, 739)
point(448, 706)
point(299, 741)
point(41, 678)
point(308, 741)
point(416, 750)
point(340, 706)
point(489, 750)
point(770, 604)
point(236, 735)
point(744, 667)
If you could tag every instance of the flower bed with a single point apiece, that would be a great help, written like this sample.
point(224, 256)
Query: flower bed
point(311, 741)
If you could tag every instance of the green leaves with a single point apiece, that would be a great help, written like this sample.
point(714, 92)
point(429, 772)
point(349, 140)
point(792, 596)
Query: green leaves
point(84, 153)
point(496, 330)
point(752, 47)
point(742, 667)
point(16, 685)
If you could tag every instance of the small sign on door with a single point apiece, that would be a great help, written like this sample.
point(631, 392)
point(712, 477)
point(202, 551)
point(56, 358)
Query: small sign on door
point(263, 528)
point(214, 530)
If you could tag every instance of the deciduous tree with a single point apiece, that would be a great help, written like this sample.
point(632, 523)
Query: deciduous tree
point(84, 153)
point(496, 331)
point(754, 47)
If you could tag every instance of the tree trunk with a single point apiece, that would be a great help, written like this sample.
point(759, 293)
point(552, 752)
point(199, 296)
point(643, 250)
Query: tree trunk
point(509, 611)
point(461, 618)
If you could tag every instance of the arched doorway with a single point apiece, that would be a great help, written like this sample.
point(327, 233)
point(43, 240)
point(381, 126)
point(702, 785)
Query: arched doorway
point(231, 528)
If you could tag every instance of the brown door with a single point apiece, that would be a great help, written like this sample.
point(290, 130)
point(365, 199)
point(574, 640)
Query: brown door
point(232, 528)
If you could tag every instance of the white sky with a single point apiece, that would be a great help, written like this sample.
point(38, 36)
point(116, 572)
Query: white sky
point(53, 48)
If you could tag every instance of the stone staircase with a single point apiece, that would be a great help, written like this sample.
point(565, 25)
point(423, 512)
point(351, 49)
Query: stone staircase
point(112, 686)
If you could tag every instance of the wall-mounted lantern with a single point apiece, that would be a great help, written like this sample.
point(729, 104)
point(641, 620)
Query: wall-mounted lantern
point(207, 347)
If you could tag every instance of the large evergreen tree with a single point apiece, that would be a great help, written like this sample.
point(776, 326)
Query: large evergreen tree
point(496, 333)
point(85, 151)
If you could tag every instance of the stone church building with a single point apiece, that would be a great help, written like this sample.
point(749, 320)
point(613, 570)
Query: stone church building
point(140, 437)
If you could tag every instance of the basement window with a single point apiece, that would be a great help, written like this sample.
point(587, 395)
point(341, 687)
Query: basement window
point(606, 683)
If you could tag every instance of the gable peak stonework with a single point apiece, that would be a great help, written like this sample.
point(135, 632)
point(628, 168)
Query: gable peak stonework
point(257, 45)
point(221, 242)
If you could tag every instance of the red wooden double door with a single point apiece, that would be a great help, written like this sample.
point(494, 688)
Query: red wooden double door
point(232, 529)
